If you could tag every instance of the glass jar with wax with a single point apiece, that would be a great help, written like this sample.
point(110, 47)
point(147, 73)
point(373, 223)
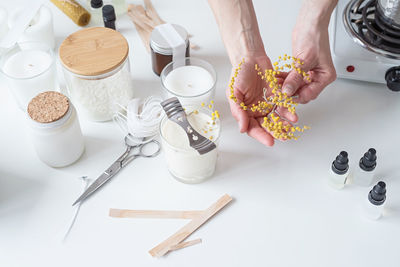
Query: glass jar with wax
point(54, 129)
point(193, 83)
point(96, 69)
point(167, 43)
point(29, 68)
point(185, 163)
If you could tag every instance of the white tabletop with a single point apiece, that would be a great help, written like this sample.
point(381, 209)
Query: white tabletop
point(283, 213)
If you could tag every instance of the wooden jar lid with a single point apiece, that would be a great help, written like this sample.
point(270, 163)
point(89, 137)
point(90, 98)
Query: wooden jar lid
point(93, 51)
point(48, 107)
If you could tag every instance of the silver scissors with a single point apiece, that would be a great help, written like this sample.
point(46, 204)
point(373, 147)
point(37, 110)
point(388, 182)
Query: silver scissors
point(120, 163)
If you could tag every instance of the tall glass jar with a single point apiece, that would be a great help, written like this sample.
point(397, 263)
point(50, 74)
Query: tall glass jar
point(54, 129)
point(96, 69)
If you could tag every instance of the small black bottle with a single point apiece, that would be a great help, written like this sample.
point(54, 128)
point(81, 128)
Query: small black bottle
point(365, 172)
point(109, 16)
point(376, 201)
point(339, 170)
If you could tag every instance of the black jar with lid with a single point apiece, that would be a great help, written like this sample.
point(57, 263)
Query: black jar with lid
point(161, 51)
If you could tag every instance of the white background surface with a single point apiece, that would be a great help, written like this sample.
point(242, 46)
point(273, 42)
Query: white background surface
point(283, 213)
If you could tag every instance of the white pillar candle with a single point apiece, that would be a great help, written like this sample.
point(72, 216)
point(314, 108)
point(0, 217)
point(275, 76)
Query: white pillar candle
point(28, 73)
point(191, 84)
point(40, 29)
point(3, 22)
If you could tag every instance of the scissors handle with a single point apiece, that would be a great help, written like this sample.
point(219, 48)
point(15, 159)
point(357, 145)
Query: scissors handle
point(149, 155)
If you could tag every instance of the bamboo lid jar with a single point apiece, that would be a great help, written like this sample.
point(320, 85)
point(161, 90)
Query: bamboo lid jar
point(96, 69)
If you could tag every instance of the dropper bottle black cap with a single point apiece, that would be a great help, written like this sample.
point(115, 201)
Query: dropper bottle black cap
point(109, 16)
point(96, 3)
point(368, 161)
point(377, 195)
point(341, 164)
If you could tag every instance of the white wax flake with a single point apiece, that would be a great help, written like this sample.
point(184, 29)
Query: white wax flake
point(99, 98)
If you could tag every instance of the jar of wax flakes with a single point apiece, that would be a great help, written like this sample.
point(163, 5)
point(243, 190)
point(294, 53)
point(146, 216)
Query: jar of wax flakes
point(96, 68)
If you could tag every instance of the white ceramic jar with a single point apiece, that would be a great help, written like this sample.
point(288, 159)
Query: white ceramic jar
point(96, 69)
point(185, 163)
point(54, 129)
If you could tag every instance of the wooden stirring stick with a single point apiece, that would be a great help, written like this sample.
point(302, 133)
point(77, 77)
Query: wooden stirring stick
point(189, 228)
point(161, 214)
point(186, 244)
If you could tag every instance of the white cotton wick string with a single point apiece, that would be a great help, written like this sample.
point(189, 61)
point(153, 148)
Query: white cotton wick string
point(85, 185)
point(142, 119)
point(175, 41)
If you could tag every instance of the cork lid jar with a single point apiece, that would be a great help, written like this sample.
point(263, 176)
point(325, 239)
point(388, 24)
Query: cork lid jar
point(54, 129)
point(93, 51)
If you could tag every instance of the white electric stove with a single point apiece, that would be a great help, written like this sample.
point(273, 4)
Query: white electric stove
point(361, 51)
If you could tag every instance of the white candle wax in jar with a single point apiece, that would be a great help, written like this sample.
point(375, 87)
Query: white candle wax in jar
point(40, 29)
point(28, 73)
point(184, 162)
point(193, 83)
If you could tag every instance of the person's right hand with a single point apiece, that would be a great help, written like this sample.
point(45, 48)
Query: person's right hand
point(248, 88)
point(310, 44)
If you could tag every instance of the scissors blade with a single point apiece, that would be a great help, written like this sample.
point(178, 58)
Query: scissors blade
point(103, 178)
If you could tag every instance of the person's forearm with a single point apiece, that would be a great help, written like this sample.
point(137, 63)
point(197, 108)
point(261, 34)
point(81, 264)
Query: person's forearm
point(239, 29)
point(316, 13)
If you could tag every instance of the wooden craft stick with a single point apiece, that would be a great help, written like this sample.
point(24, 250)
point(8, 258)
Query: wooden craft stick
point(162, 248)
point(152, 13)
point(186, 244)
point(161, 214)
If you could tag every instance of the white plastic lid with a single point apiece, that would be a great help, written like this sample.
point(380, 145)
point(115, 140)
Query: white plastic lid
point(160, 45)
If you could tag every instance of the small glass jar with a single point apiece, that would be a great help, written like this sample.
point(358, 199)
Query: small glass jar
point(161, 51)
point(193, 83)
point(184, 162)
point(94, 7)
point(29, 68)
point(96, 69)
point(54, 129)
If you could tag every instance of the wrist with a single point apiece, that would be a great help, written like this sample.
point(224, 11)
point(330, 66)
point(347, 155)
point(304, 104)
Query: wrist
point(316, 14)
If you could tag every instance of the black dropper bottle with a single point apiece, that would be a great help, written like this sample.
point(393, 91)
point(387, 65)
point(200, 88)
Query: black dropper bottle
point(96, 3)
point(341, 164)
point(376, 200)
point(365, 174)
point(368, 161)
point(377, 195)
point(339, 167)
point(109, 16)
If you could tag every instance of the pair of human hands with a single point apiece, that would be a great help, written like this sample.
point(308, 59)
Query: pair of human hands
point(312, 48)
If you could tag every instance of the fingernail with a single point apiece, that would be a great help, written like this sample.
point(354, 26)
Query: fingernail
point(288, 89)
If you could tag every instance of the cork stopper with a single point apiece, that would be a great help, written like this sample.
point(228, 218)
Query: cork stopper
point(48, 107)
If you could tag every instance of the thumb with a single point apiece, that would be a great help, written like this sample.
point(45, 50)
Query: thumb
point(292, 83)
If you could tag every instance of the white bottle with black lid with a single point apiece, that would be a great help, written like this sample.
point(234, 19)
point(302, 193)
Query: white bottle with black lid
point(339, 170)
point(376, 201)
point(365, 172)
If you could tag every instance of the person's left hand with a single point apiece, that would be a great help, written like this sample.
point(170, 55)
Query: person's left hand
point(248, 88)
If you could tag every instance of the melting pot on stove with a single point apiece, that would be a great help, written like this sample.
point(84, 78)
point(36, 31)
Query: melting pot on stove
point(376, 23)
